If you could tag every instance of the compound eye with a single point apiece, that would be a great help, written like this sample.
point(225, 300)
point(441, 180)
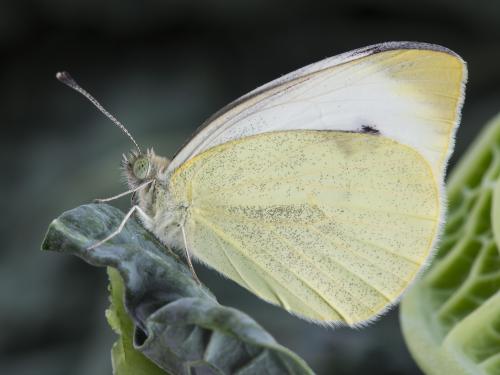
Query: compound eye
point(141, 168)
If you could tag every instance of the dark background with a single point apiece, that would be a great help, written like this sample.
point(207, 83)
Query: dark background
point(162, 67)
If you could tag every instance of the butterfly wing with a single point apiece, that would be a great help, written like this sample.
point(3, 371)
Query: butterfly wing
point(332, 226)
point(289, 197)
point(409, 92)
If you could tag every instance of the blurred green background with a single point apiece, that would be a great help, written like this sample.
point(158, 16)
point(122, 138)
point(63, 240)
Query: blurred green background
point(162, 67)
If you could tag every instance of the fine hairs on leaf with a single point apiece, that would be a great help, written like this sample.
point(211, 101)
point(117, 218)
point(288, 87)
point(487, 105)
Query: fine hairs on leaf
point(451, 317)
point(167, 322)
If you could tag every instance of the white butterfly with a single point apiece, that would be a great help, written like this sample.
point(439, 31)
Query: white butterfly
point(321, 191)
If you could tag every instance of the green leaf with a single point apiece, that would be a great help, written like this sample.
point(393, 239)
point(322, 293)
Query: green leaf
point(126, 360)
point(451, 317)
point(177, 323)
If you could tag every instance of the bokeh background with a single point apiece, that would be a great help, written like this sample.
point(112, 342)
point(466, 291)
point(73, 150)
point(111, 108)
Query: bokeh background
point(162, 67)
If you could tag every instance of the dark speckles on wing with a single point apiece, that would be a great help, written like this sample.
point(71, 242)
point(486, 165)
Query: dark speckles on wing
point(367, 129)
point(301, 213)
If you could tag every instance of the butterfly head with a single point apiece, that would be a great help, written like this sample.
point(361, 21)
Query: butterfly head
point(145, 174)
point(139, 168)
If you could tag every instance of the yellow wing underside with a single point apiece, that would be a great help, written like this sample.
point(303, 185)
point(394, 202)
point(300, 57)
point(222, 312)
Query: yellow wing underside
point(332, 226)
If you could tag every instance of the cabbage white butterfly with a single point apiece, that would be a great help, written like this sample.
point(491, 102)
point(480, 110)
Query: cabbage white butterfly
point(321, 191)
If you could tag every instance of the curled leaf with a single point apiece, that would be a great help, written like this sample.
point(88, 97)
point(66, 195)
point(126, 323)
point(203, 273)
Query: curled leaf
point(178, 324)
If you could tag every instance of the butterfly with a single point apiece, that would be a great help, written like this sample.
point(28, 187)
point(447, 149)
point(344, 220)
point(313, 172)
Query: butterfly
point(321, 191)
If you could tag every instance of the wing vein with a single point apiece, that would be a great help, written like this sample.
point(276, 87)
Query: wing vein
point(222, 247)
point(358, 255)
point(248, 285)
point(383, 248)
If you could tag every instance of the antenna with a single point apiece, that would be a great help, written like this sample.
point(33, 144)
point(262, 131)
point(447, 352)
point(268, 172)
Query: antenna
point(65, 78)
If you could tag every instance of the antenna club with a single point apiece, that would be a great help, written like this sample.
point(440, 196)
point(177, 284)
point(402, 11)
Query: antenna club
point(65, 78)
point(61, 75)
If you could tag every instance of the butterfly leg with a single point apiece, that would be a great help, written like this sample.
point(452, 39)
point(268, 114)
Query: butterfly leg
point(188, 257)
point(124, 193)
point(143, 215)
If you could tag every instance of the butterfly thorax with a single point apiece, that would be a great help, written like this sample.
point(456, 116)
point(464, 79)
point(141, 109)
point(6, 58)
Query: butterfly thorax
point(154, 198)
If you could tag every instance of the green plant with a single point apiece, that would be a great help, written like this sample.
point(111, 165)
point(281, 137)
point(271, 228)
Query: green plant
point(451, 317)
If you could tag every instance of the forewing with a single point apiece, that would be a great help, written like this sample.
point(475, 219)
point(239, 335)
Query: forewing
point(409, 92)
point(332, 226)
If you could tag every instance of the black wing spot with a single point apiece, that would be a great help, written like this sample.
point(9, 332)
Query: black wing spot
point(369, 130)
